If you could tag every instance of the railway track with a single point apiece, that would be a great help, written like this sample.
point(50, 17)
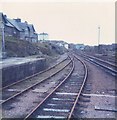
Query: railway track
point(61, 102)
point(101, 95)
point(111, 60)
point(27, 78)
point(108, 59)
point(107, 66)
point(18, 88)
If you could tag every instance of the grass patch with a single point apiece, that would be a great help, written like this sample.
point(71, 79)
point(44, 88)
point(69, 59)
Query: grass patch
point(22, 48)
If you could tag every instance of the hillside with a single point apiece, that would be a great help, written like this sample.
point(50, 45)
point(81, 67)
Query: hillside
point(50, 49)
point(22, 48)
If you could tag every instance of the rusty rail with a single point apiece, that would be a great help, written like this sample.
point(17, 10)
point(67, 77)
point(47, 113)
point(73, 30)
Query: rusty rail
point(17, 94)
point(79, 93)
point(72, 69)
point(31, 76)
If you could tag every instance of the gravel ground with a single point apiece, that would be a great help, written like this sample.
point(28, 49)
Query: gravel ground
point(110, 57)
point(62, 99)
point(102, 94)
point(51, 62)
point(25, 103)
point(23, 85)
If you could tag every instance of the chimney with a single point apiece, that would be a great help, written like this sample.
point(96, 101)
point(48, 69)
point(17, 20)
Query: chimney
point(5, 16)
point(18, 20)
point(26, 22)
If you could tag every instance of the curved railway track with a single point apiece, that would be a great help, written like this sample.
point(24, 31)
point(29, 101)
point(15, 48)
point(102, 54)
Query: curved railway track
point(106, 58)
point(31, 76)
point(60, 103)
point(18, 88)
point(107, 66)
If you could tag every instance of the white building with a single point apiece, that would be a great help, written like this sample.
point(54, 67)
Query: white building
point(43, 36)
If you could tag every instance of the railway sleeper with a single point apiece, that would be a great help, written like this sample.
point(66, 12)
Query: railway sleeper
point(84, 99)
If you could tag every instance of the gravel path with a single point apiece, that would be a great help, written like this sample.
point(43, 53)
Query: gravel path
point(102, 94)
point(25, 103)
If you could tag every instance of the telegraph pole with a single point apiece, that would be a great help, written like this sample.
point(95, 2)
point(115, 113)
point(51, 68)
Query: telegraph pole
point(98, 39)
point(3, 40)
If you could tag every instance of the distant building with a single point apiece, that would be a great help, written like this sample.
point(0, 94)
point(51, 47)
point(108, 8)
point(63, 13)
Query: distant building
point(15, 31)
point(43, 36)
point(72, 46)
point(18, 29)
point(66, 45)
point(8, 28)
point(60, 43)
point(80, 46)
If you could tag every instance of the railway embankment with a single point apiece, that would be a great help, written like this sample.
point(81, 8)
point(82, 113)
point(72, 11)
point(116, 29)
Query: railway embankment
point(25, 58)
point(18, 68)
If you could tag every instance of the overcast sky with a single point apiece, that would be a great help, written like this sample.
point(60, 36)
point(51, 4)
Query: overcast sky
point(75, 22)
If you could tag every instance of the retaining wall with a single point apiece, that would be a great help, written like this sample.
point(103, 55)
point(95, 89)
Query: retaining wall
point(17, 72)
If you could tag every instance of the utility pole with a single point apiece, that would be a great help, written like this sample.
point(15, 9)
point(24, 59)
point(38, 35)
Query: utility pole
point(98, 39)
point(3, 39)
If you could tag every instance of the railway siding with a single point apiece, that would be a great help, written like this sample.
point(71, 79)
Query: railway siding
point(109, 67)
point(99, 95)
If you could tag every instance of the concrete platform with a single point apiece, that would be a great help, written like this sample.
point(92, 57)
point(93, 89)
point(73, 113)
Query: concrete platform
point(16, 61)
point(15, 69)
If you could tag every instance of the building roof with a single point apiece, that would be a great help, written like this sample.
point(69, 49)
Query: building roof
point(2, 18)
point(14, 23)
point(43, 33)
point(31, 27)
point(9, 25)
point(22, 25)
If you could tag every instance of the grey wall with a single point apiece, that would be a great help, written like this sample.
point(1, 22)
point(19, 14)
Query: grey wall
point(17, 72)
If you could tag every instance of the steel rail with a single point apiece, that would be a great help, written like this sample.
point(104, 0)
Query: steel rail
point(79, 93)
point(72, 69)
point(101, 60)
point(106, 67)
point(31, 76)
point(109, 63)
point(17, 94)
point(111, 70)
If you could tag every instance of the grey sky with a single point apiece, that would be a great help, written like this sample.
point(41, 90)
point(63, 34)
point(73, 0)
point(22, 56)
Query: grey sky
point(75, 22)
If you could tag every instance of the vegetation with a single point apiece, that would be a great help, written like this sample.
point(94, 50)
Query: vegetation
point(49, 48)
point(21, 48)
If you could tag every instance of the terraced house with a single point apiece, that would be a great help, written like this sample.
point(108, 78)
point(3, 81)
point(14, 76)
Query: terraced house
point(18, 29)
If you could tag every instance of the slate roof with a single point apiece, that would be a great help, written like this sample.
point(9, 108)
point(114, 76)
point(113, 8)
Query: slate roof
point(43, 33)
point(31, 27)
point(4, 20)
point(2, 17)
point(14, 23)
point(9, 25)
point(22, 25)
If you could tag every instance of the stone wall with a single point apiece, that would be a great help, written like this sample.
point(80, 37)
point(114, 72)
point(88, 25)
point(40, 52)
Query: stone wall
point(17, 72)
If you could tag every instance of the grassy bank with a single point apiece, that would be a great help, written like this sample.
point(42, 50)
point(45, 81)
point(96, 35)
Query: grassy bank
point(22, 48)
